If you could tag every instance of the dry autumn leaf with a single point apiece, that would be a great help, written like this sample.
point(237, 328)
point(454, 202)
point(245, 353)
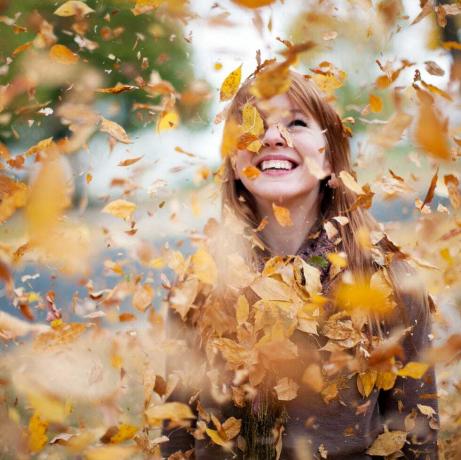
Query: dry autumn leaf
point(253, 3)
point(130, 161)
point(431, 131)
point(72, 8)
point(282, 215)
point(231, 84)
point(63, 55)
point(122, 209)
point(115, 130)
point(376, 103)
point(413, 369)
point(168, 120)
point(286, 389)
point(388, 443)
point(251, 172)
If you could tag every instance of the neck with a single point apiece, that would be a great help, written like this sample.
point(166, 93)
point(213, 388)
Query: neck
point(287, 240)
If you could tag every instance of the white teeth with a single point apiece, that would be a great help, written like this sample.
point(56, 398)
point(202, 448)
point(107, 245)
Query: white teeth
point(276, 164)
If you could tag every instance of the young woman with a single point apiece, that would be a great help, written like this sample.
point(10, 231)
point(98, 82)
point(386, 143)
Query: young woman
point(304, 325)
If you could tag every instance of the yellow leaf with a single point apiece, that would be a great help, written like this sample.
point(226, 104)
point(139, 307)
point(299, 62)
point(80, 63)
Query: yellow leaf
point(169, 411)
point(231, 134)
point(366, 382)
point(111, 452)
point(243, 309)
point(49, 408)
point(376, 103)
point(428, 411)
point(37, 433)
point(431, 130)
point(124, 433)
point(387, 443)
point(72, 8)
point(385, 380)
point(63, 55)
point(120, 208)
point(286, 389)
point(364, 297)
point(251, 120)
point(351, 183)
point(271, 81)
point(413, 369)
point(168, 120)
point(115, 130)
point(272, 289)
point(253, 3)
point(216, 438)
point(49, 197)
point(337, 260)
point(282, 215)
point(231, 84)
point(204, 267)
point(251, 172)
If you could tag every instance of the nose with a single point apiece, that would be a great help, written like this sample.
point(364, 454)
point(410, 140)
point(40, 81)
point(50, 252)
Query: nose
point(273, 137)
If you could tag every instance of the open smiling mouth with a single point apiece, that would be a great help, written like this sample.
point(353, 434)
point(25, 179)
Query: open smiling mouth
point(276, 167)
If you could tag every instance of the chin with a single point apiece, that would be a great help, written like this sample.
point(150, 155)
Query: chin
point(280, 193)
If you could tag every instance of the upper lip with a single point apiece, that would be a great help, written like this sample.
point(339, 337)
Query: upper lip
point(276, 157)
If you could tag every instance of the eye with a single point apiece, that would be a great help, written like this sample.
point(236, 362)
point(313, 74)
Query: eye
point(297, 122)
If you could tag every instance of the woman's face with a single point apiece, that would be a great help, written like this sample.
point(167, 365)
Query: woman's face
point(292, 159)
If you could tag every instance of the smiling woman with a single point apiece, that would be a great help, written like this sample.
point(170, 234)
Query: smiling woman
point(307, 327)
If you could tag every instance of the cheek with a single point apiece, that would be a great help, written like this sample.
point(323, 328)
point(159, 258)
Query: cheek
point(242, 159)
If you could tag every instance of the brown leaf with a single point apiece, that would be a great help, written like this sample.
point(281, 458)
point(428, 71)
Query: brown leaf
point(115, 130)
point(130, 161)
point(117, 89)
point(430, 192)
point(286, 389)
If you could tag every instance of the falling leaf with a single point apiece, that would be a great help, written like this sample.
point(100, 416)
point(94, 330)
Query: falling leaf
point(430, 192)
point(167, 121)
point(271, 81)
point(142, 297)
point(204, 266)
point(388, 443)
point(286, 389)
point(231, 84)
point(351, 183)
point(117, 89)
point(413, 369)
point(253, 3)
point(376, 103)
point(431, 131)
point(37, 433)
point(13, 195)
point(130, 161)
point(282, 215)
point(72, 8)
point(120, 208)
point(217, 439)
point(428, 411)
point(366, 382)
point(115, 130)
point(251, 172)
point(63, 55)
point(21, 48)
point(174, 411)
point(434, 69)
point(124, 432)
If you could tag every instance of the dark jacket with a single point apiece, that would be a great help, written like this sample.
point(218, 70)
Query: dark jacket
point(346, 426)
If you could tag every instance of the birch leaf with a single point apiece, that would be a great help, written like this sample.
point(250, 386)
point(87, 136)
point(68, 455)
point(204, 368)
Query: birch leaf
point(122, 209)
point(282, 215)
point(388, 443)
point(231, 84)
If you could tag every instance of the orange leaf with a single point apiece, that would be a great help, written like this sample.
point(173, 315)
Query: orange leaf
point(63, 55)
point(376, 103)
point(282, 215)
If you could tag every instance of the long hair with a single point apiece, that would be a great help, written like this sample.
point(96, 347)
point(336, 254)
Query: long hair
point(333, 201)
point(337, 201)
